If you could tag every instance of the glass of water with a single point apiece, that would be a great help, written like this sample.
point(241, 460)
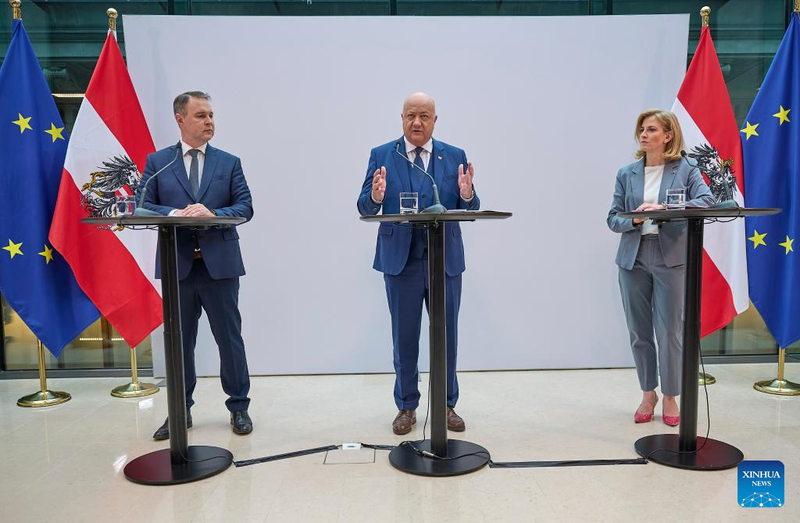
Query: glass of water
point(409, 202)
point(676, 199)
point(125, 205)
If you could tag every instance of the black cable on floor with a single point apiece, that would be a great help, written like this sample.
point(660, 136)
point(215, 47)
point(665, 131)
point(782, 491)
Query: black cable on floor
point(277, 457)
point(573, 463)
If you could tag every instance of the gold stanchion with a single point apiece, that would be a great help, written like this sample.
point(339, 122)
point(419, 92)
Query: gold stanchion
point(134, 389)
point(43, 398)
point(779, 386)
point(705, 378)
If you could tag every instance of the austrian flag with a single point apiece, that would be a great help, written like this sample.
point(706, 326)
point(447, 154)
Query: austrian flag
point(106, 155)
point(712, 140)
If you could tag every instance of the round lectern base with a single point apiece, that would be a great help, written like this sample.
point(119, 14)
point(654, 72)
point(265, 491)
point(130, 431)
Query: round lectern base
point(715, 455)
point(156, 468)
point(404, 458)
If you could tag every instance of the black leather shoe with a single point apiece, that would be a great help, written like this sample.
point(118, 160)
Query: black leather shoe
point(242, 424)
point(163, 431)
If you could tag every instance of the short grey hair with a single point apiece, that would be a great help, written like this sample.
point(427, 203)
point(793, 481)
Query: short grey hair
point(179, 105)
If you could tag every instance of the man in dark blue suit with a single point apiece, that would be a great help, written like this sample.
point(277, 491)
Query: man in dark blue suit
point(198, 180)
point(402, 254)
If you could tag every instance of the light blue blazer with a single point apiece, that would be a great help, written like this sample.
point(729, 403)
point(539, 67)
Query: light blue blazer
point(629, 194)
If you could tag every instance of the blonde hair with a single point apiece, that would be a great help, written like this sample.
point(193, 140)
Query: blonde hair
point(669, 122)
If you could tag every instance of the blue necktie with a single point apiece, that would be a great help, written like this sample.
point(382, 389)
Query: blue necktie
point(418, 160)
point(194, 172)
point(419, 239)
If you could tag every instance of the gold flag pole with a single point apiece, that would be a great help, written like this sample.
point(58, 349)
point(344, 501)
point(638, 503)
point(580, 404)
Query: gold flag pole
point(43, 398)
point(136, 388)
point(16, 10)
point(112, 19)
point(780, 386)
point(702, 377)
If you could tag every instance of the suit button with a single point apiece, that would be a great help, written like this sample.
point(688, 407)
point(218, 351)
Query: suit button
point(424, 195)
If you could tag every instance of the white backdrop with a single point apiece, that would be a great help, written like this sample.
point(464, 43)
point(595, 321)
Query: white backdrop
point(544, 107)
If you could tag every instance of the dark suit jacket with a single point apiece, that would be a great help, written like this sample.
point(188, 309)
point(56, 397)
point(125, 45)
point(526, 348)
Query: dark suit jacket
point(394, 240)
point(223, 190)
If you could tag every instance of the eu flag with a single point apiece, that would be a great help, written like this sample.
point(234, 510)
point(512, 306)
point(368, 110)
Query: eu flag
point(34, 279)
point(771, 146)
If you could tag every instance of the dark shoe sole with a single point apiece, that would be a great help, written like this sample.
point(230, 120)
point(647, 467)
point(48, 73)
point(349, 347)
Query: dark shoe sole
point(404, 432)
point(458, 429)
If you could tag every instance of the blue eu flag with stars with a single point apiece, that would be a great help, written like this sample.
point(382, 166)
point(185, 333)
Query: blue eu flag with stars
point(771, 147)
point(34, 279)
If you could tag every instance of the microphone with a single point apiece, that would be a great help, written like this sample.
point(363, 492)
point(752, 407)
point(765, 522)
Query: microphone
point(729, 202)
point(437, 206)
point(140, 210)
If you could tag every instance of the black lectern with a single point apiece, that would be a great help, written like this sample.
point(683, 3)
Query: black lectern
point(686, 450)
point(449, 457)
point(180, 463)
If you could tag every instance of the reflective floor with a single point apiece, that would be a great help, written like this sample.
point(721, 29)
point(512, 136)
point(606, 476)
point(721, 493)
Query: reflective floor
point(65, 463)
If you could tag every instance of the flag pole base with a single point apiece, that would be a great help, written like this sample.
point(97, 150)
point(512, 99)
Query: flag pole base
point(44, 398)
point(705, 378)
point(778, 387)
point(134, 390)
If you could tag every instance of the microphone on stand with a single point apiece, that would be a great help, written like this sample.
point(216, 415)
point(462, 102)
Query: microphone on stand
point(437, 206)
point(140, 210)
point(728, 202)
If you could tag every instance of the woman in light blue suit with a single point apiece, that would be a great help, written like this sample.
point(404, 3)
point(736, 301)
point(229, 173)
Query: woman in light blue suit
point(652, 258)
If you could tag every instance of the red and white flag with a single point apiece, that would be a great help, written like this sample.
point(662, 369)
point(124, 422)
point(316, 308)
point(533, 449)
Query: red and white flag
point(107, 152)
point(712, 139)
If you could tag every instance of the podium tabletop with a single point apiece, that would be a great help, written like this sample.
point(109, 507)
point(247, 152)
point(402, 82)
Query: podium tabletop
point(449, 216)
point(701, 212)
point(178, 221)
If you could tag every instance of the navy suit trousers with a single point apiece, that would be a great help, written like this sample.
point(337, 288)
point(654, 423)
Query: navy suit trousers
point(220, 300)
point(406, 293)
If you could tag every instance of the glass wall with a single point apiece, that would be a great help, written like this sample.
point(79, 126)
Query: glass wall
point(68, 35)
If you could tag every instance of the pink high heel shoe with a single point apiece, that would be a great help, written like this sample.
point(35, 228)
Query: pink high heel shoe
point(672, 421)
point(644, 418)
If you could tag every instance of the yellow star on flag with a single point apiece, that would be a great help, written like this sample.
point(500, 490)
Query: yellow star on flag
point(787, 245)
point(55, 132)
point(47, 253)
point(782, 115)
point(750, 130)
point(757, 239)
point(24, 123)
point(13, 248)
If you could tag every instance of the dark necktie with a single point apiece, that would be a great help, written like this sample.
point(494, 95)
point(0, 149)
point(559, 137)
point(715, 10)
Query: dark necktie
point(418, 160)
point(194, 172)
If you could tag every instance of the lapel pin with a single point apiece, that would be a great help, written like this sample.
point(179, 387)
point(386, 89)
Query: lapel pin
point(438, 157)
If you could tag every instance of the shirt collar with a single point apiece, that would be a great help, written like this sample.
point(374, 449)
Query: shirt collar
point(185, 148)
point(410, 146)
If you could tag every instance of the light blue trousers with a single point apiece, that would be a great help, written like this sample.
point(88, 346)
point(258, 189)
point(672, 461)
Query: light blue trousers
point(652, 296)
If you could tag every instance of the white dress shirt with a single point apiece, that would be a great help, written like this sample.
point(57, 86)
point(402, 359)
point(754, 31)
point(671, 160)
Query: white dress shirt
point(426, 152)
point(652, 185)
point(187, 159)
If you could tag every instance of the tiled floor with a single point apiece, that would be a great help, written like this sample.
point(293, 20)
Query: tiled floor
point(65, 463)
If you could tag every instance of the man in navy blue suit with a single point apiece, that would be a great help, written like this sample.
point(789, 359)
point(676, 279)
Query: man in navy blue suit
point(402, 252)
point(198, 180)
